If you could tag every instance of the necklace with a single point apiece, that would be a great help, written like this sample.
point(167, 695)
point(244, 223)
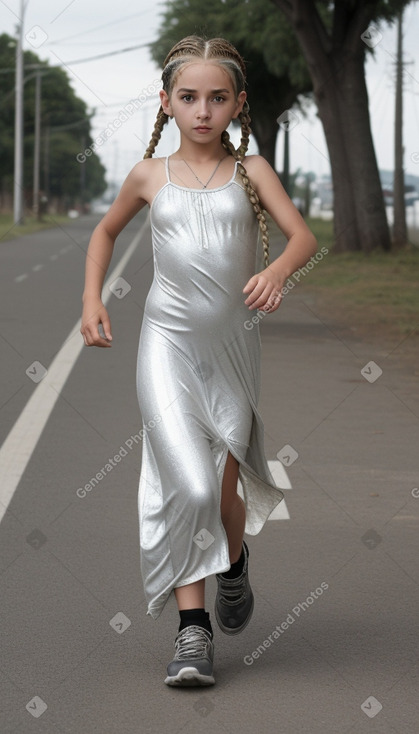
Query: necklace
point(204, 185)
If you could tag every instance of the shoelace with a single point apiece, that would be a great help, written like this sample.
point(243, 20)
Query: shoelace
point(192, 642)
point(232, 591)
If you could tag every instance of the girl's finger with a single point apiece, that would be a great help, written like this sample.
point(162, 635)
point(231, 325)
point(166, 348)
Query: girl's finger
point(274, 301)
point(271, 307)
point(106, 323)
point(100, 341)
point(251, 283)
point(261, 298)
point(258, 288)
point(92, 338)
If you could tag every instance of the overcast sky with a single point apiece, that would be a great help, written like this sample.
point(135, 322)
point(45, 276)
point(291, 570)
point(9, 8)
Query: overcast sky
point(64, 31)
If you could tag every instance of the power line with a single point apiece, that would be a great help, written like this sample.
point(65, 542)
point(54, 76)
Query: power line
point(79, 61)
point(96, 43)
point(99, 27)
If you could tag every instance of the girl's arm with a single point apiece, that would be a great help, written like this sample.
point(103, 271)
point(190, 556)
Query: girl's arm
point(99, 253)
point(265, 288)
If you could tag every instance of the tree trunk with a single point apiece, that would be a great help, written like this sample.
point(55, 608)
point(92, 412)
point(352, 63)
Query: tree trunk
point(336, 66)
point(345, 224)
point(360, 216)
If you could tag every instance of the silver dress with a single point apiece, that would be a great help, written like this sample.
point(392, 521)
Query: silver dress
point(198, 376)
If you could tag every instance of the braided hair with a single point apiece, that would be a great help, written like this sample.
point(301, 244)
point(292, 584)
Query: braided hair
point(228, 57)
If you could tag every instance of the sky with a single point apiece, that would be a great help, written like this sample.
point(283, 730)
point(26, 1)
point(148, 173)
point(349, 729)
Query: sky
point(65, 31)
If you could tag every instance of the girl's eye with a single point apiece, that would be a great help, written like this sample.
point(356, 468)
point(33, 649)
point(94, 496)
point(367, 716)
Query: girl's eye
point(189, 98)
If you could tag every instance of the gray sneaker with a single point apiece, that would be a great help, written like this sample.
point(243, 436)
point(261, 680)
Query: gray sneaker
point(193, 661)
point(234, 601)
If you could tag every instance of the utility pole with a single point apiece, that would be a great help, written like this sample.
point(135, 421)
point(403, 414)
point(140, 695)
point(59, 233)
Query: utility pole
point(18, 172)
point(37, 145)
point(82, 176)
point(46, 159)
point(399, 205)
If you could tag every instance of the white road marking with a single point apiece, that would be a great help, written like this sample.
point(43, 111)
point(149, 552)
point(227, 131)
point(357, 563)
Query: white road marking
point(282, 480)
point(37, 267)
point(280, 512)
point(21, 442)
point(279, 474)
point(19, 278)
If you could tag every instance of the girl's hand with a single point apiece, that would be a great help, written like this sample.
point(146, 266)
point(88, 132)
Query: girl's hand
point(94, 314)
point(265, 291)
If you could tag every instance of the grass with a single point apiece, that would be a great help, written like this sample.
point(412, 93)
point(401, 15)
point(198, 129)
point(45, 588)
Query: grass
point(374, 295)
point(9, 231)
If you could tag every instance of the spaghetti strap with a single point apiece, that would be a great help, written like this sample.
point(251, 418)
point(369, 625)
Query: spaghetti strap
point(167, 169)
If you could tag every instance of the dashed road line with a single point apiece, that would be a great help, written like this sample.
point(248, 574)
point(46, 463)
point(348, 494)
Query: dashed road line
point(39, 266)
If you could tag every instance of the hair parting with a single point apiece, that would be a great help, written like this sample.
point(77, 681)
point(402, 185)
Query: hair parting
point(220, 50)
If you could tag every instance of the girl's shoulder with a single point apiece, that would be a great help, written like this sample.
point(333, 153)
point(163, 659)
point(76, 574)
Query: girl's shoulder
point(260, 172)
point(147, 166)
point(256, 165)
point(148, 176)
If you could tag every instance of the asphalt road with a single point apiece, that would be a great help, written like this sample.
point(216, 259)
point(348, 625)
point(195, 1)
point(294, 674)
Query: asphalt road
point(332, 645)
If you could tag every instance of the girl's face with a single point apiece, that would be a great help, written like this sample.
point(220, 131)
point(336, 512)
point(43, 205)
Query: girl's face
point(203, 101)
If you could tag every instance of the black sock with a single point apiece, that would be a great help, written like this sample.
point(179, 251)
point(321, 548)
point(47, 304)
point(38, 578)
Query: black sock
point(195, 616)
point(236, 568)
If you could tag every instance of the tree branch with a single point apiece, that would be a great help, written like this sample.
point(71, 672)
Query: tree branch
point(324, 37)
point(305, 19)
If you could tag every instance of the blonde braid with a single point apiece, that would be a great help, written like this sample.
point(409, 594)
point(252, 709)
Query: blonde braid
point(250, 191)
point(161, 120)
point(245, 130)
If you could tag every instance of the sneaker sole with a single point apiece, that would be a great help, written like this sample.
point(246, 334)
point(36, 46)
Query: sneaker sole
point(235, 630)
point(189, 677)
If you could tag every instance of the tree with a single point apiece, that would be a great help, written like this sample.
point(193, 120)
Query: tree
point(274, 84)
point(334, 38)
point(65, 123)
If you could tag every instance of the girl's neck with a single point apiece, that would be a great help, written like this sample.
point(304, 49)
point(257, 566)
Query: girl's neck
point(199, 153)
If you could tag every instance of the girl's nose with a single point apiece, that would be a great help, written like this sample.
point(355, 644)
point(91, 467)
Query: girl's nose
point(203, 110)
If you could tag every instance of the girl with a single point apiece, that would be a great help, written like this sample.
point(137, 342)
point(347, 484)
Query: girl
point(198, 362)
